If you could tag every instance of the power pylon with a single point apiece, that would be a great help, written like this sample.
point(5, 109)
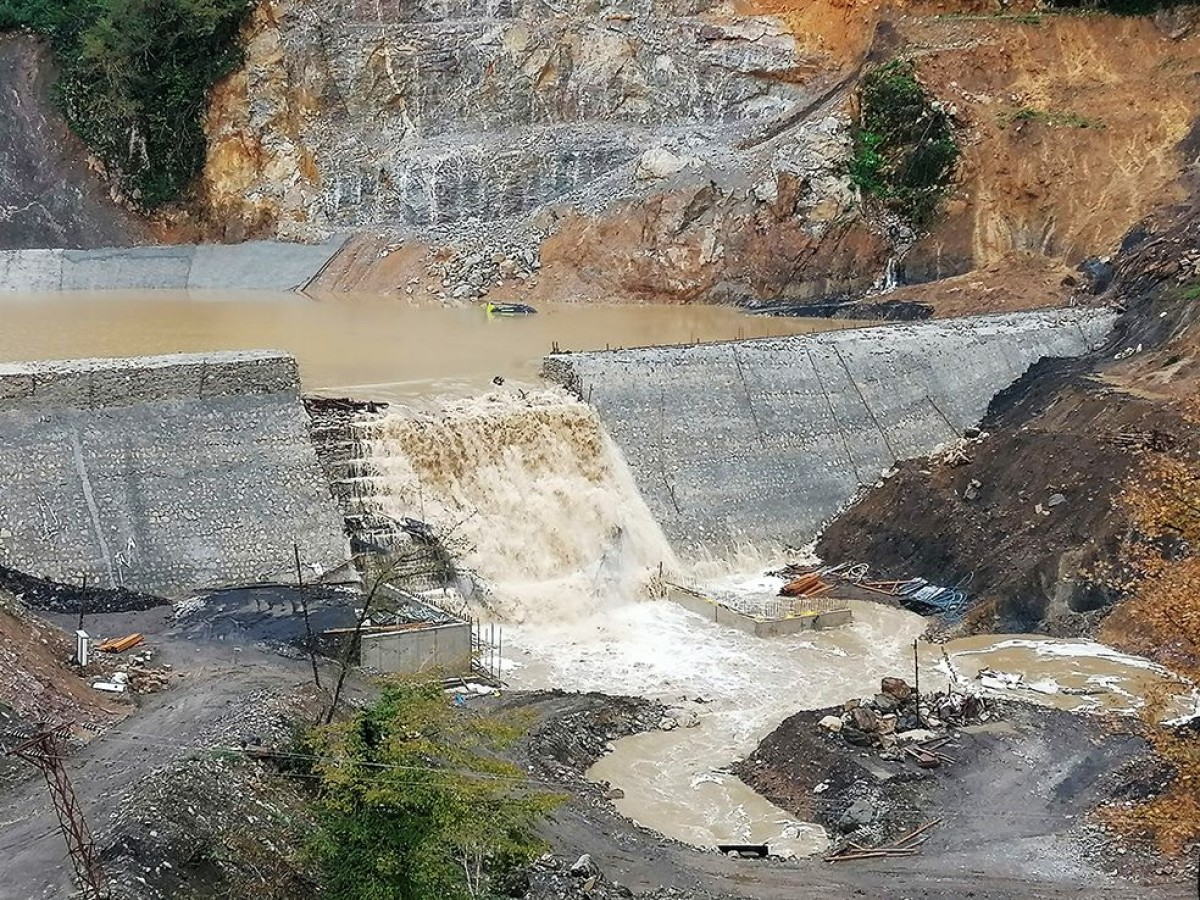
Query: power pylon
point(45, 750)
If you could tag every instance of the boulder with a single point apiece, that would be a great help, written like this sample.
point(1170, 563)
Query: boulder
point(852, 735)
point(583, 867)
point(916, 736)
point(896, 688)
point(858, 814)
point(864, 719)
point(662, 163)
point(831, 723)
point(885, 703)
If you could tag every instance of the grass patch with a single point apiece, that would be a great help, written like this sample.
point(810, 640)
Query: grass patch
point(1027, 18)
point(905, 153)
point(135, 79)
point(1190, 292)
point(1047, 117)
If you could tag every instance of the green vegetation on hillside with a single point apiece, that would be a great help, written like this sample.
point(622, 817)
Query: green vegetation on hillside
point(905, 153)
point(134, 80)
point(1047, 117)
point(414, 804)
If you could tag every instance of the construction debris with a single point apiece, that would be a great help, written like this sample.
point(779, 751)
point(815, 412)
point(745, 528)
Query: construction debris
point(120, 645)
point(916, 594)
point(902, 724)
point(809, 585)
point(905, 846)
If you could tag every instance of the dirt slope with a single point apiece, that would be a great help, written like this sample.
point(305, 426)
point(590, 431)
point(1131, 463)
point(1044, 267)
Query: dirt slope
point(1065, 148)
point(36, 684)
point(1025, 516)
point(49, 194)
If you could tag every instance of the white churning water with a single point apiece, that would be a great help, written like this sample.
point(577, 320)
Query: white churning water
point(534, 488)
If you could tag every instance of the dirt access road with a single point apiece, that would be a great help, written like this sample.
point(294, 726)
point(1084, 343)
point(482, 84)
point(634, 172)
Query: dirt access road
point(206, 707)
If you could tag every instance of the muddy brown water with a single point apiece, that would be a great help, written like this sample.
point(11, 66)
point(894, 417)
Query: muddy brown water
point(367, 346)
point(676, 782)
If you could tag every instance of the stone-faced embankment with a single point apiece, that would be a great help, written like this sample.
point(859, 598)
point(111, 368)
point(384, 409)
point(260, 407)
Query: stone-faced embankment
point(161, 474)
point(252, 266)
point(763, 441)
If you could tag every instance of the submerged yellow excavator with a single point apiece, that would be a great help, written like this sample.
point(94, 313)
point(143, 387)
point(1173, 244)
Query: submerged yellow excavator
point(508, 309)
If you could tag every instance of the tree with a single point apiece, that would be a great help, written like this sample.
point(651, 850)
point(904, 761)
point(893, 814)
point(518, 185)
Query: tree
point(905, 152)
point(414, 805)
point(135, 78)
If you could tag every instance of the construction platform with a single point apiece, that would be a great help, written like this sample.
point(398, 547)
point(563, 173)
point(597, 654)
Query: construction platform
point(766, 616)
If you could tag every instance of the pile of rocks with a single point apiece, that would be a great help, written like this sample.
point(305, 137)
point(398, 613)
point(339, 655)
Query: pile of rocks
point(552, 878)
point(471, 276)
point(896, 716)
point(678, 717)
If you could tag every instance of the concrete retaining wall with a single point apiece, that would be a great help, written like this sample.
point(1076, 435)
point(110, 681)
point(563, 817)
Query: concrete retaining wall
point(724, 615)
point(437, 648)
point(255, 265)
point(763, 441)
point(162, 474)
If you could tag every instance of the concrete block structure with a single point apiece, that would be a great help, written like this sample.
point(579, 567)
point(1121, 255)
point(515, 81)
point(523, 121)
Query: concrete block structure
point(250, 266)
point(763, 441)
point(801, 614)
point(162, 474)
point(419, 649)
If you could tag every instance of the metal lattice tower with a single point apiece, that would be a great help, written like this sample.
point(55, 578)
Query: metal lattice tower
point(45, 750)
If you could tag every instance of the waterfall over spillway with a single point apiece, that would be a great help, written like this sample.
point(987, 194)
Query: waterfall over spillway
point(533, 487)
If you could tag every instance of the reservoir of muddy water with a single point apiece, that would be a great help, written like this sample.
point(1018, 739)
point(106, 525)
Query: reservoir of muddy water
point(366, 346)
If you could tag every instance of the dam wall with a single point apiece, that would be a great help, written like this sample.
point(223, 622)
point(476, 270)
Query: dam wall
point(251, 266)
point(763, 441)
point(162, 474)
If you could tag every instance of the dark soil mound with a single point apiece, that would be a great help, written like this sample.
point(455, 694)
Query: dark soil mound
point(1022, 517)
point(52, 596)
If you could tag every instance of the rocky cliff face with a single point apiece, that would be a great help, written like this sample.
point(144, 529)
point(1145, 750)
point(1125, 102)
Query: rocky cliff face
point(652, 142)
point(679, 150)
